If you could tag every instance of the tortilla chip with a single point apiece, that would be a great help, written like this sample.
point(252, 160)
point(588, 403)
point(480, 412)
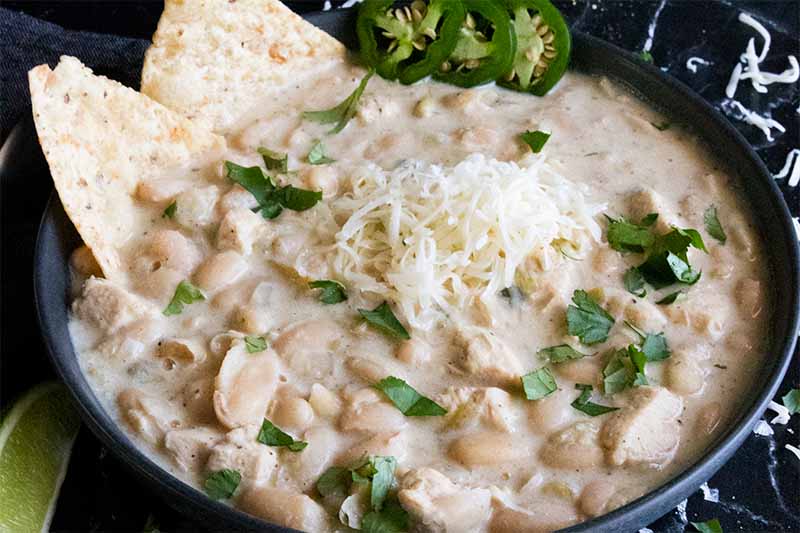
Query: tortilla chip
point(101, 139)
point(213, 60)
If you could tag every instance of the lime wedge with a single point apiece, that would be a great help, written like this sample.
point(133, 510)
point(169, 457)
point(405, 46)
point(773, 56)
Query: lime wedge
point(36, 439)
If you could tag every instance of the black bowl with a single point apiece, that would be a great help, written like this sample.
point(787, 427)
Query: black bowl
point(57, 238)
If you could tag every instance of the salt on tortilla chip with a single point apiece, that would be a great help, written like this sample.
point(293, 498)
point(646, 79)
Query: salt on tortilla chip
point(101, 139)
point(213, 60)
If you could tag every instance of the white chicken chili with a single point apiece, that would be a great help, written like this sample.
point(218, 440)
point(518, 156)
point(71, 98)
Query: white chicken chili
point(438, 318)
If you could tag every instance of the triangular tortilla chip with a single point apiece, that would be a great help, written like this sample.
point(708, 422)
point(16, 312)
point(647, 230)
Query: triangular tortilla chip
point(101, 139)
point(214, 60)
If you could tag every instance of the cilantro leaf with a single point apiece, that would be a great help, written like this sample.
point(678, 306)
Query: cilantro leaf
point(255, 344)
point(634, 282)
point(639, 361)
point(667, 261)
point(535, 139)
point(646, 56)
point(582, 403)
point(560, 353)
point(296, 199)
point(408, 400)
point(170, 211)
point(382, 479)
point(277, 161)
point(391, 519)
point(709, 526)
point(619, 373)
point(335, 480)
point(655, 347)
point(661, 126)
point(382, 318)
point(185, 294)
point(670, 298)
point(587, 320)
point(343, 112)
point(252, 179)
point(333, 292)
point(791, 400)
point(317, 155)
point(625, 236)
point(538, 384)
point(713, 225)
point(271, 435)
point(221, 484)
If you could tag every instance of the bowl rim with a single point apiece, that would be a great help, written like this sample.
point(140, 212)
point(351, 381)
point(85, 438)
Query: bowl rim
point(643, 510)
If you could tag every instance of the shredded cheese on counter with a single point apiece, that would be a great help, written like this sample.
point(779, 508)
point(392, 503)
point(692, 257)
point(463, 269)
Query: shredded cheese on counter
point(429, 238)
point(750, 61)
point(792, 163)
point(765, 124)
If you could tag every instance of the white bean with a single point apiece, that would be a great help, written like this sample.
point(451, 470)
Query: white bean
point(220, 270)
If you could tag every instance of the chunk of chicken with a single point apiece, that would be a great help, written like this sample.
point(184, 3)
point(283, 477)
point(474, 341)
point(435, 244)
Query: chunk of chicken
point(240, 451)
point(196, 207)
point(110, 307)
point(488, 359)
point(181, 350)
point(646, 431)
point(369, 411)
point(645, 201)
point(284, 507)
point(170, 249)
point(575, 447)
point(508, 517)
point(441, 506)
point(466, 406)
point(245, 385)
point(306, 467)
point(239, 230)
point(189, 448)
point(147, 416)
point(220, 270)
point(385, 444)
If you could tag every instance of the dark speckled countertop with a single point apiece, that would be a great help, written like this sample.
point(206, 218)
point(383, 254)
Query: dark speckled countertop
point(758, 490)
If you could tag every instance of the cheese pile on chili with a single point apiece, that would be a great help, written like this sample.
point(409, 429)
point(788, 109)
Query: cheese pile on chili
point(429, 237)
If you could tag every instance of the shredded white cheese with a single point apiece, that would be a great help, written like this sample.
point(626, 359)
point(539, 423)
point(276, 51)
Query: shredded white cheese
point(709, 494)
point(782, 412)
point(765, 124)
point(793, 449)
point(750, 61)
point(763, 429)
point(681, 510)
point(693, 62)
point(432, 238)
point(792, 163)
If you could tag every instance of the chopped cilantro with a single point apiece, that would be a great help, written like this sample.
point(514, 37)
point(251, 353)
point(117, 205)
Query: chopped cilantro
point(709, 526)
point(667, 260)
point(582, 403)
point(661, 126)
point(535, 139)
point(317, 155)
point(634, 282)
point(335, 480)
point(560, 353)
point(170, 211)
point(408, 400)
point(713, 225)
point(646, 56)
point(625, 236)
point(271, 199)
point(391, 519)
point(587, 320)
point(382, 318)
point(271, 435)
point(538, 384)
point(279, 162)
point(185, 294)
point(342, 113)
point(791, 400)
point(332, 291)
point(221, 484)
point(255, 344)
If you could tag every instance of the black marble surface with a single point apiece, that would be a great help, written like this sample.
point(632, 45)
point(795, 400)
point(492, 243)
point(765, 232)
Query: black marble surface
point(758, 490)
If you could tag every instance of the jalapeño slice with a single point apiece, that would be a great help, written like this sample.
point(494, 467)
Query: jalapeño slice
point(484, 48)
point(543, 46)
point(409, 42)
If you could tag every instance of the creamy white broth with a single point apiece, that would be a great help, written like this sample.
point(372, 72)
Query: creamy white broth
point(517, 464)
